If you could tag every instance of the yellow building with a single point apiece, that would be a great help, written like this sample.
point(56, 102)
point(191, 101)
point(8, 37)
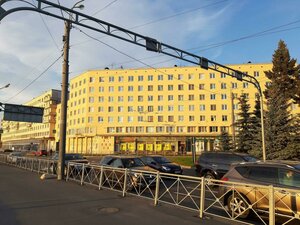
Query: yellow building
point(154, 110)
point(141, 110)
point(33, 136)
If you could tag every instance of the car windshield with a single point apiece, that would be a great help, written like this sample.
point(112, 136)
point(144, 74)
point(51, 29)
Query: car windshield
point(161, 160)
point(132, 162)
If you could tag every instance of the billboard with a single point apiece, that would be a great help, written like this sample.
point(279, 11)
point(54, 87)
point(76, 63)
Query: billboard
point(23, 113)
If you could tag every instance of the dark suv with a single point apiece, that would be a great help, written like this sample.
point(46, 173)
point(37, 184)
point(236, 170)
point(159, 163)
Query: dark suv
point(214, 165)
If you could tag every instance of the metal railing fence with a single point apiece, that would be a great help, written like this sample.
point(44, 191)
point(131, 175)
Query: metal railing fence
point(247, 203)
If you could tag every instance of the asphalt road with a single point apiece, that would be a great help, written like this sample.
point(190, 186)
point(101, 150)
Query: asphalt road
point(27, 200)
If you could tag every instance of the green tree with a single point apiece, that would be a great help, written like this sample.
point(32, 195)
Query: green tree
point(244, 136)
point(255, 119)
point(225, 142)
point(281, 132)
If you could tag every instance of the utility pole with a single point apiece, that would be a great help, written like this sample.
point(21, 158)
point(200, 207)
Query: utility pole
point(232, 118)
point(64, 102)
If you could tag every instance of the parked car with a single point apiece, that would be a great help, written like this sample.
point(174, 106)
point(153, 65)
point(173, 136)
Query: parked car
point(69, 157)
point(214, 165)
point(13, 156)
point(41, 153)
point(161, 164)
point(278, 174)
point(129, 162)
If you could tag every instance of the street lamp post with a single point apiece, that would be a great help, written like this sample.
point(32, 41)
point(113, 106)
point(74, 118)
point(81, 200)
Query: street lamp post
point(64, 95)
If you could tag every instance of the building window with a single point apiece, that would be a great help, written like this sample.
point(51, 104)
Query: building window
point(170, 87)
point(140, 78)
point(111, 79)
point(130, 108)
point(170, 97)
point(223, 96)
point(202, 129)
point(224, 118)
point(170, 108)
point(120, 119)
point(160, 108)
point(213, 118)
point(92, 79)
point(201, 97)
point(91, 99)
point(191, 87)
point(140, 129)
point(101, 79)
point(140, 118)
point(202, 118)
point(223, 75)
point(160, 77)
point(130, 78)
point(160, 87)
point(191, 108)
point(201, 86)
point(110, 119)
point(100, 109)
point(150, 118)
point(201, 76)
point(150, 87)
point(256, 73)
point(181, 118)
point(130, 119)
point(140, 88)
point(160, 129)
point(212, 76)
point(180, 87)
point(101, 89)
point(224, 107)
point(149, 129)
point(150, 108)
point(121, 78)
point(130, 98)
point(110, 98)
point(234, 85)
point(120, 98)
point(150, 77)
point(212, 86)
point(213, 96)
point(223, 86)
point(91, 89)
point(213, 129)
point(191, 98)
point(180, 108)
point(120, 108)
point(245, 85)
point(170, 77)
point(202, 108)
point(150, 98)
point(180, 76)
point(160, 119)
point(90, 119)
point(180, 98)
point(191, 76)
point(140, 98)
point(110, 108)
point(170, 118)
point(213, 107)
point(130, 88)
point(111, 89)
point(160, 98)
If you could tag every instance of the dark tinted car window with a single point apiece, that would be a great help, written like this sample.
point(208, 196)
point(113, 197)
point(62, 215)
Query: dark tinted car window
point(132, 162)
point(264, 174)
point(105, 160)
point(117, 163)
point(229, 159)
point(161, 160)
point(243, 170)
point(289, 178)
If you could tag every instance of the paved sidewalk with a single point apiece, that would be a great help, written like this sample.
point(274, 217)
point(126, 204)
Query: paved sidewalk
point(27, 200)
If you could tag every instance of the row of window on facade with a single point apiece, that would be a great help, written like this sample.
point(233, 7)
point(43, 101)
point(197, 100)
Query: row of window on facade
point(170, 87)
point(151, 98)
point(160, 77)
point(151, 109)
point(160, 119)
point(170, 129)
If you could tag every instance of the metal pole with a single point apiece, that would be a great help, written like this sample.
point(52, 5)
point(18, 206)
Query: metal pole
point(156, 197)
point(232, 119)
point(262, 127)
point(64, 102)
point(202, 198)
point(271, 206)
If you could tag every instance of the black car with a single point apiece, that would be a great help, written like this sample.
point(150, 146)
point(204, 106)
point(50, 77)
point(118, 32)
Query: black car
point(214, 165)
point(138, 172)
point(161, 164)
point(69, 157)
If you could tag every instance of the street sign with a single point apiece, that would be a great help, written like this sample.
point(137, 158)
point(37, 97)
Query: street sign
point(23, 113)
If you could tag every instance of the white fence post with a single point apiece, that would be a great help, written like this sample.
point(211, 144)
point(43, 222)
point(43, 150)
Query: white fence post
point(202, 197)
point(157, 188)
point(271, 206)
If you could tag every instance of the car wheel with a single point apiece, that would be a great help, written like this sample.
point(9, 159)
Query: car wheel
point(209, 175)
point(238, 206)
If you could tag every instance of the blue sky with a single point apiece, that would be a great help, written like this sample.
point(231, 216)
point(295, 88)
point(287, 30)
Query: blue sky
point(30, 43)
